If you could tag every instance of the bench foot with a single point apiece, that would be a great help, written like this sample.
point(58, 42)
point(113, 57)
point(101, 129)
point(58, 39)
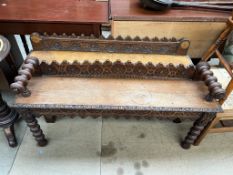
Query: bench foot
point(185, 145)
point(50, 119)
point(196, 129)
point(177, 120)
point(37, 132)
point(10, 135)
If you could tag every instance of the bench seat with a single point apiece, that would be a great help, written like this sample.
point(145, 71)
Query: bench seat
point(129, 94)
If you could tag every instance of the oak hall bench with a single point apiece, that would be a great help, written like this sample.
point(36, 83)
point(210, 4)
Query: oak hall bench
point(69, 75)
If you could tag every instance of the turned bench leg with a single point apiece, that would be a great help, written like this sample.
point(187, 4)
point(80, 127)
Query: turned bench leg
point(206, 130)
point(32, 123)
point(197, 129)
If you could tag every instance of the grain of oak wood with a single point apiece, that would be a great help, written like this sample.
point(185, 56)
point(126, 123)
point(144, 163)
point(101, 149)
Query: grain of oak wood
point(118, 92)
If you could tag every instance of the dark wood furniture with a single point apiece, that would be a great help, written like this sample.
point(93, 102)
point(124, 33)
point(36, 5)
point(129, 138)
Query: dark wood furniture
point(79, 17)
point(28, 16)
point(7, 115)
point(89, 76)
point(198, 26)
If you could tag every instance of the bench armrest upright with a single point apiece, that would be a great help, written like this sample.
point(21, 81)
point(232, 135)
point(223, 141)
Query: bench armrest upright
point(25, 74)
point(204, 73)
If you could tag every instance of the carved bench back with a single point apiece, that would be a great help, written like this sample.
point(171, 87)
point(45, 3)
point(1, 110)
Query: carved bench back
point(119, 68)
point(113, 45)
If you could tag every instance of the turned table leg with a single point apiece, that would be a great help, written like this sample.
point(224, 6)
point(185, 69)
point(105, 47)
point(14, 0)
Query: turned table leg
point(7, 118)
point(32, 123)
point(196, 129)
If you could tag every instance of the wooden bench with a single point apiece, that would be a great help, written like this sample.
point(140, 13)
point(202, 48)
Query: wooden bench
point(88, 76)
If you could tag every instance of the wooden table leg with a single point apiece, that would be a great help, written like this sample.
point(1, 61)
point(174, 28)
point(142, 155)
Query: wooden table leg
point(10, 135)
point(37, 132)
point(7, 118)
point(196, 129)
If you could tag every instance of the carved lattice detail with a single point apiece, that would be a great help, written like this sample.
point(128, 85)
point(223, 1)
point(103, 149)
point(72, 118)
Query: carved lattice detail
point(95, 113)
point(116, 69)
point(119, 44)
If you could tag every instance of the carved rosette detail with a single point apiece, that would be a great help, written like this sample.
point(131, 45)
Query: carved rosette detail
point(73, 68)
point(116, 69)
point(96, 68)
point(107, 67)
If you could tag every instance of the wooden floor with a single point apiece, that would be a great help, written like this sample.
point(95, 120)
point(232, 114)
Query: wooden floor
point(118, 92)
